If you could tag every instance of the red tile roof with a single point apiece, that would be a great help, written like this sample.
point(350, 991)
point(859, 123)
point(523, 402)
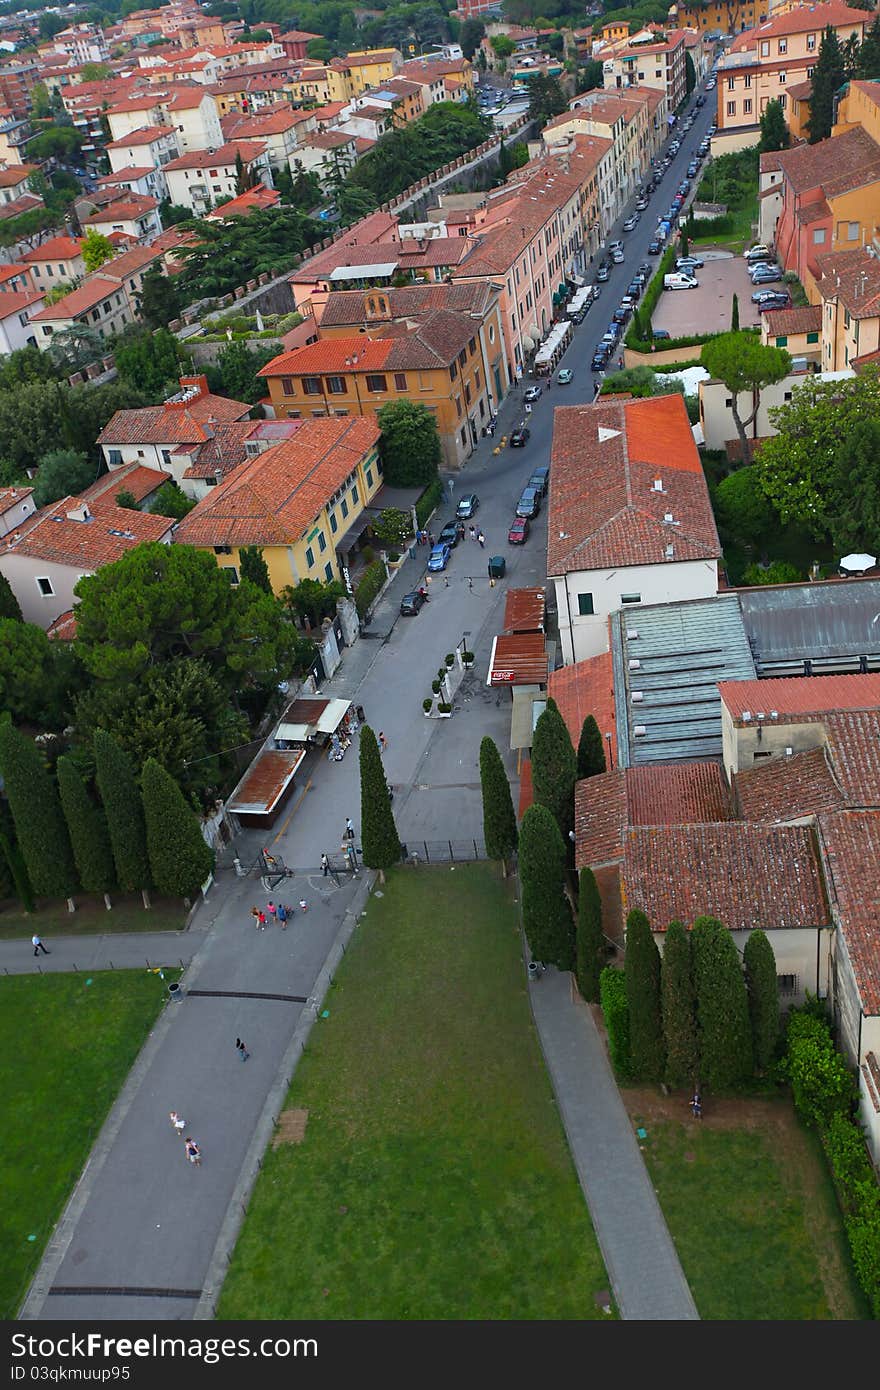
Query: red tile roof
point(749, 876)
point(170, 424)
point(16, 174)
point(85, 545)
point(850, 846)
point(124, 210)
point(854, 750)
point(585, 688)
point(804, 318)
point(836, 165)
point(667, 794)
point(98, 287)
point(252, 199)
point(801, 20)
point(144, 135)
point(787, 789)
point(135, 478)
point(853, 277)
point(223, 155)
point(799, 695)
point(15, 301)
point(604, 510)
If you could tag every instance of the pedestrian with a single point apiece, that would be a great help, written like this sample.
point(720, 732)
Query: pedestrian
point(303, 905)
point(470, 582)
point(241, 1050)
point(177, 1123)
point(325, 865)
point(282, 916)
point(446, 581)
point(431, 541)
point(349, 828)
point(460, 529)
point(261, 920)
point(697, 1106)
point(549, 382)
point(472, 531)
point(272, 911)
point(255, 913)
point(192, 1151)
point(620, 360)
point(38, 946)
point(482, 539)
point(383, 742)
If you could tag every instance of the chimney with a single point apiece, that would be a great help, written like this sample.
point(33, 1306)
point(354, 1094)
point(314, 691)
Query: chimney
point(79, 512)
point(218, 475)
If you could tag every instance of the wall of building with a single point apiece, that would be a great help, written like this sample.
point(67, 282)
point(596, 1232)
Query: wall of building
point(746, 746)
point(581, 636)
point(22, 572)
point(716, 417)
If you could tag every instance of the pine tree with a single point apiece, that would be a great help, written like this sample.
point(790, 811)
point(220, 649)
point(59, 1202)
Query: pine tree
point(13, 860)
point(774, 132)
point(124, 809)
point(734, 315)
point(763, 993)
point(554, 767)
point(499, 818)
point(39, 823)
point(180, 859)
point(381, 842)
point(829, 75)
point(254, 567)
point(546, 912)
point(9, 606)
point(642, 969)
point(591, 753)
point(590, 941)
point(679, 1008)
point(869, 52)
point(87, 826)
point(722, 1007)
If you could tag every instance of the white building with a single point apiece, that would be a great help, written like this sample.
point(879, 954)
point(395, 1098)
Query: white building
point(16, 329)
point(195, 117)
point(200, 178)
point(155, 145)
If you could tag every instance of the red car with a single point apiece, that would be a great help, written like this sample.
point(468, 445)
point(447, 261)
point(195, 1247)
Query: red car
point(518, 531)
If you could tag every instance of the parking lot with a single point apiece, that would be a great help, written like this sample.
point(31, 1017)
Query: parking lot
point(707, 309)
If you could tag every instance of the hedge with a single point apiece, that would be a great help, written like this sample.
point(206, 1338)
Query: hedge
point(429, 501)
point(650, 298)
point(821, 1085)
point(369, 587)
point(615, 1011)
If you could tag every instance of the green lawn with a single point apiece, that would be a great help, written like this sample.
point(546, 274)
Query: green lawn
point(434, 1180)
point(91, 917)
point(67, 1043)
point(753, 1216)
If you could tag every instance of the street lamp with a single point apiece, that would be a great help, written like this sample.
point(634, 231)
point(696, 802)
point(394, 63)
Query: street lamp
point(610, 755)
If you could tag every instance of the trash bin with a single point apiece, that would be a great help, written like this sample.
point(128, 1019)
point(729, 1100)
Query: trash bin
point(497, 566)
point(175, 992)
point(534, 970)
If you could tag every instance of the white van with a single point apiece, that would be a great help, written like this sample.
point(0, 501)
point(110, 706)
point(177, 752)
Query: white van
point(679, 281)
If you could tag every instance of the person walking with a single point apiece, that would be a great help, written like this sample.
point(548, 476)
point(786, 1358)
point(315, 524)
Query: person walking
point(193, 1152)
point(261, 920)
point(283, 912)
point(472, 531)
point(460, 529)
point(349, 829)
point(383, 742)
point(272, 911)
point(255, 913)
point(482, 540)
point(38, 946)
point(177, 1123)
point(697, 1106)
point(241, 1050)
point(431, 541)
point(325, 865)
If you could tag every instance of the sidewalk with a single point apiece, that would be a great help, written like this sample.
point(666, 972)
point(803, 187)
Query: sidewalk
point(122, 951)
point(645, 1273)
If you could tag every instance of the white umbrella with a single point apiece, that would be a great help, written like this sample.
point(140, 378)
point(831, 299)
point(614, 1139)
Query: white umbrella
point(858, 562)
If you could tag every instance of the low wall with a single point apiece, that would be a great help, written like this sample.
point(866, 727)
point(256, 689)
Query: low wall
point(207, 354)
point(661, 358)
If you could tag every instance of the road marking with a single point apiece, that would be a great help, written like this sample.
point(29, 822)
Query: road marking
point(293, 811)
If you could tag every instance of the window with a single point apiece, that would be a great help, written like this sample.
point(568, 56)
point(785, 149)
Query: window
point(287, 387)
point(782, 78)
point(462, 358)
point(322, 543)
point(369, 477)
point(49, 270)
point(787, 396)
point(491, 333)
point(783, 45)
point(472, 346)
point(783, 100)
point(375, 382)
point(783, 341)
point(354, 496)
point(811, 43)
point(140, 453)
point(464, 436)
point(819, 236)
point(585, 605)
point(312, 385)
point(231, 573)
point(222, 549)
point(730, 84)
point(328, 572)
point(400, 381)
point(747, 107)
point(458, 406)
point(630, 598)
point(335, 385)
point(731, 108)
point(310, 556)
point(853, 231)
point(765, 49)
point(210, 482)
point(453, 370)
point(45, 587)
point(343, 507)
point(114, 457)
point(333, 522)
point(787, 984)
point(166, 456)
point(810, 72)
point(747, 81)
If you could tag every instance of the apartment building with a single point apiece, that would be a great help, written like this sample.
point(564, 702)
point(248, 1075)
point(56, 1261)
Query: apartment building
point(280, 129)
point(134, 215)
point(198, 179)
point(329, 155)
point(17, 308)
point(57, 261)
point(633, 119)
point(153, 145)
point(848, 288)
point(352, 75)
point(722, 16)
point(655, 63)
point(193, 114)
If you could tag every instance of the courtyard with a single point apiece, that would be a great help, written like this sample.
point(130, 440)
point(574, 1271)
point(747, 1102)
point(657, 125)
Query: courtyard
point(707, 309)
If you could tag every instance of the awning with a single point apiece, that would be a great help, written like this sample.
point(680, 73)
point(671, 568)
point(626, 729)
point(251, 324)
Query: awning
point(529, 703)
point(326, 721)
point(518, 659)
point(265, 783)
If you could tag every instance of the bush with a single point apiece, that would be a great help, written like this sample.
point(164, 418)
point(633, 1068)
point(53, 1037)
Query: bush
point(449, 658)
point(649, 303)
point(426, 704)
point(369, 587)
point(435, 686)
point(821, 1085)
point(615, 1011)
point(780, 572)
point(429, 501)
point(443, 708)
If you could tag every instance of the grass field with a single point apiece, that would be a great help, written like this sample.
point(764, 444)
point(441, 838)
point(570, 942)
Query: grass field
point(750, 1207)
point(67, 1043)
point(434, 1179)
point(91, 917)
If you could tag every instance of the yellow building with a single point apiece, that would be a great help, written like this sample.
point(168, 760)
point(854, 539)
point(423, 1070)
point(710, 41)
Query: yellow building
point(297, 502)
point(860, 105)
point(730, 16)
point(350, 76)
point(848, 286)
point(798, 330)
point(311, 86)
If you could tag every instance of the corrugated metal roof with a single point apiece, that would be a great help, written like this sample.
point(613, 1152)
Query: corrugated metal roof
point(265, 781)
point(683, 651)
point(524, 610)
point(830, 625)
point(519, 659)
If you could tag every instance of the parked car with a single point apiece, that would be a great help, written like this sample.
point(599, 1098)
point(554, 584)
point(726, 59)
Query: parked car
point(641, 204)
point(539, 482)
point(602, 273)
point(701, 100)
point(765, 274)
point(411, 603)
point(529, 503)
point(631, 222)
point(532, 393)
point(770, 299)
point(645, 269)
point(519, 530)
point(565, 376)
point(618, 257)
point(679, 281)
point(621, 314)
point(689, 263)
point(439, 557)
point(659, 334)
point(520, 437)
point(616, 245)
point(759, 252)
point(544, 474)
point(634, 289)
point(468, 505)
point(693, 169)
point(655, 247)
point(599, 360)
point(449, 534)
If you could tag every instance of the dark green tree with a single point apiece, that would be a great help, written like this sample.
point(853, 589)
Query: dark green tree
point(13, 860)
point(244, 178)
point(62, 473)
point(9, 607)
point(742, 508)
point(469, 36)
point(591, 750)
point(87, 827)
point(40, 828)
point(353, 203)
point(679, 1008)
point(239, 366)
point(172, 502)
point(868, 65)
point(683, 243)
point(744, 365)
point(381, 842)
point(690, 74)
point(589, 76)
point(590, 940)
point(124, 809)
point(774, 132)
point(854, 512)
point(546, 98)
point(829, 75)
point(763, 994)
point(35, 675)
point(505, 161)
point(180, 859)
point(312, 601)
point(411, 448)
point(554, 767)
point(160, 299)
point(150, 362)
point(546, 912)
point(254, 567)
point(499, 817)
point(734, 315)
point(722, 1007)
point(642, 970)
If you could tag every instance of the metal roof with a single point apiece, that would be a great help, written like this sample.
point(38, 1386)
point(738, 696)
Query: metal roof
point(524, 610)
point(814, 629)
point(671, 696)
point(520, 659)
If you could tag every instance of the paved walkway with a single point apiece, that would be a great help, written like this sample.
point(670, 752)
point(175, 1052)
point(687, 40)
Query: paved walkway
point(642, 1264)
point(111, 952)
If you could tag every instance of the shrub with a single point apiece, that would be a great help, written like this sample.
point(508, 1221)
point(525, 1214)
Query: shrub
point(443, 708)
point(467, 658)
point(821, 1085)
point(449, 658)
point(429, 501)
point(369, 587)
point(427, 703)
point(642, 974)
point(435, 686)
point(780, 572)
point(615, 1011)
point(369, 554)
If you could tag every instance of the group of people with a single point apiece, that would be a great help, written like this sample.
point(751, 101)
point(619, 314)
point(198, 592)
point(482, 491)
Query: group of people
point(276, 912)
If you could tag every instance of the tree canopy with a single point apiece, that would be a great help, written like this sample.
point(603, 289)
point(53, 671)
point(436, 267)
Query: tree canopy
point(829, 75)
point(742, 362)
point(96, 249)
point(774, 132)
point(546, 98)
point(554, 766)
point(411, 448)
point(446, 130)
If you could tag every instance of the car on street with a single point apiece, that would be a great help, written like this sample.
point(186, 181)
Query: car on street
point(520, 437)
point(529, 503)
point(621, 314)
point(467, 506)
point(616, 245)
point(771, 299)
point(532, 393)
point(565, 376)
point(701, 100)
point(765, 274)
point(655, 247)
point(693, 169)
point(439, 557)
point(544, 474)
point(617, 257)
point(519, 530)
point(641, 204)
point(599, 360)
point(412, 603)
point(689, 263)
point(630, 223)
point(602, 273)
point(449, 534)
point(539, 482)
point(634, 289)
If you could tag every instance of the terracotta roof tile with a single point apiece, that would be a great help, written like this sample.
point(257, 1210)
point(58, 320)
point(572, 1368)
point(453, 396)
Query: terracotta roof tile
point(85, 545)
point(223, 155)
point(163, 424)
point(854, 750)
point(850, 844)
point(836, 165)
point(853, 277)
point(805, 318)
point(794, 697)
point(668, 794)
point(135, 478)
point(344, 307)
point(144, 135)
point(787, 789)
point(585, 688)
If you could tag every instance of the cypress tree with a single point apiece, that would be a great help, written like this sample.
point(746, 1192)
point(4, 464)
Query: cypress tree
point(612, 994)
point(124, 809)
point(381, 842)
point(734, 315)
point(499, 818)
point(722, 1007)
point(869, 52)
point(591, 753)
point(180, 859)
point(87, 826)
point(642, 970)
point(679, 1008)
point(829, 75)
point(554, 767)
point(39, 823)
point(254, 567)
point(762, 987)
point(9, 606)
point(590, 942)
point(20, 884)
point(546, 912)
